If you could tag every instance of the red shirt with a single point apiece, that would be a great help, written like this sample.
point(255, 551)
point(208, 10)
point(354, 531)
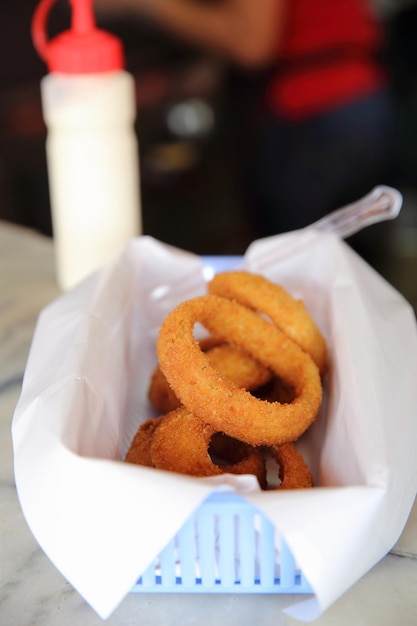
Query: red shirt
point(327, 57)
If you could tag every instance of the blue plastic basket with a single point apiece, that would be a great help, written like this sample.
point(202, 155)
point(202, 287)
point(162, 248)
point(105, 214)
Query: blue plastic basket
point(227, 546)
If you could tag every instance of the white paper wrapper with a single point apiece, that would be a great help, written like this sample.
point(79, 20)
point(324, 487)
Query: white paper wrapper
point(102, 521)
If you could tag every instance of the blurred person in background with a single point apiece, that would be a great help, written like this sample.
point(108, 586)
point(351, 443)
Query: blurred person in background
point(323, 126)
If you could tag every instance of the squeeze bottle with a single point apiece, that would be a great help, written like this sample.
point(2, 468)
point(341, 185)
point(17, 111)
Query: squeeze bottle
point(89, 108)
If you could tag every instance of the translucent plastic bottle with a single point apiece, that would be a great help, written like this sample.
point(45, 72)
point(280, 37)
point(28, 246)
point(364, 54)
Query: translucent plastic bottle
point(89, 107)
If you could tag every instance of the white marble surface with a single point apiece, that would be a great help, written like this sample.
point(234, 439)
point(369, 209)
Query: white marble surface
point(33, 592)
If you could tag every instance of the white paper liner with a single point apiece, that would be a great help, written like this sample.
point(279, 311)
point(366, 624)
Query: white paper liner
point(102, 521)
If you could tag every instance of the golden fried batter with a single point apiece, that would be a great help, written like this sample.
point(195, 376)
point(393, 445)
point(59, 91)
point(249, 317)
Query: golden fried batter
point(181, 444)
point(139, 450)
point(231, 362)
point(260, 294)
point(293, 471)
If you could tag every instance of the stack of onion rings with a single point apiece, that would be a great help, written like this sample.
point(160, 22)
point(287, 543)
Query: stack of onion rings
point(256, 383)
point(215, 399)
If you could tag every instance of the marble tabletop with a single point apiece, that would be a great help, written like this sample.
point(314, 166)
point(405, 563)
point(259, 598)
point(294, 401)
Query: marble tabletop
point(33, 592)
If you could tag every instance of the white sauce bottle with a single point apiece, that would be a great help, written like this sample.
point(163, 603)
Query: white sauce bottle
point(89, 107)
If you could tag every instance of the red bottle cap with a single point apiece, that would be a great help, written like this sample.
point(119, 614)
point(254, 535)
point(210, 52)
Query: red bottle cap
point(83, 49)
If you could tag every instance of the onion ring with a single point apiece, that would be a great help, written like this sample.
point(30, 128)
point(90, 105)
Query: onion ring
point(262, 295)
point(161, 396)
point(293, 471)
point(181, 443)
point(231, 362)
point(139, 449)
point(215, 399)
point(243, 370)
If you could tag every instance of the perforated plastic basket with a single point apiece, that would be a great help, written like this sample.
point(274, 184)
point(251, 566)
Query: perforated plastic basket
point(227, 546)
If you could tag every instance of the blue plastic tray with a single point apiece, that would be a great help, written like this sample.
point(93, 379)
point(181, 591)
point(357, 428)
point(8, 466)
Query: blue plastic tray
point(227, 546)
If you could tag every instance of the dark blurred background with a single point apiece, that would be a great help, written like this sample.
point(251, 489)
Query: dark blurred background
point(192, 135)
